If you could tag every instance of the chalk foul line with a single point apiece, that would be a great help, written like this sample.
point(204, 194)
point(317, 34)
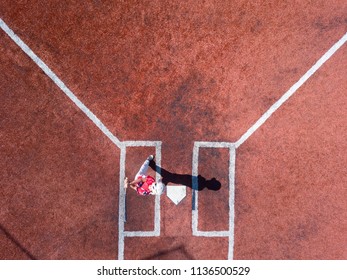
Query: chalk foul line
point(291, 91)
point(59, 83)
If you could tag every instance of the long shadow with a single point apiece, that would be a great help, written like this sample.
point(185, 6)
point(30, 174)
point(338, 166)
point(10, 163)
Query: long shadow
point(195, 182)
point(165, 254)
point(16, 242)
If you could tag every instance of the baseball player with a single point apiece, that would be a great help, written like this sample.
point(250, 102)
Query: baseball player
point(144, 184)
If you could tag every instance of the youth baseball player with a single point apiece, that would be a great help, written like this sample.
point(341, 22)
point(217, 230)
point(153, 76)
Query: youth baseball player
point(145, 184)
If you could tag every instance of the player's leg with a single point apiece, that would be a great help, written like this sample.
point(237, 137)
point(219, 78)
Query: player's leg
point(144, 167)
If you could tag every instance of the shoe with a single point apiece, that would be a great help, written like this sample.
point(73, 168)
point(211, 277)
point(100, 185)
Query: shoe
point(150, 158)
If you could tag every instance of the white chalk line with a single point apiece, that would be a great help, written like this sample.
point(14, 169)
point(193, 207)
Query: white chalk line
point(195, 209)
point(121, 211)
point(59, 83)
point(291, 91)
point(212, 233)
point(232, 164)
point(140, 233)
point(141, 143)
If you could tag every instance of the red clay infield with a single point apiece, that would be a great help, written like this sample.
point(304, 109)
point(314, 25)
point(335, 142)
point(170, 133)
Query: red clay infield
point(177, 73)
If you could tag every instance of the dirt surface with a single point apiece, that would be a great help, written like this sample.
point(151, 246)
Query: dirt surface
point(173, 72)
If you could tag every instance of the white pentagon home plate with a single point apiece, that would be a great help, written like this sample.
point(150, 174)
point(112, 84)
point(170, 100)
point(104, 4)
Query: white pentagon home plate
point(176, 193)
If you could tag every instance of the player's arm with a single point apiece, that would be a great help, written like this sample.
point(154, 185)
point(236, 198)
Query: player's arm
point(133, 187)
point(132, 184)
point(135, 182)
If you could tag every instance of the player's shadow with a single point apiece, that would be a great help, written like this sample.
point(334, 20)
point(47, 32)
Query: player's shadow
point(195, 182)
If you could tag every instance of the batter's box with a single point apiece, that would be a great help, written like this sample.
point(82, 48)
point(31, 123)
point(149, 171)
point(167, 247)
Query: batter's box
point(195, 211)
point(122, 196)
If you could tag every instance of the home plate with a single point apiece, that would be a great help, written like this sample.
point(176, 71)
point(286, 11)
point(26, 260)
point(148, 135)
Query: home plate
point(176, 193)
